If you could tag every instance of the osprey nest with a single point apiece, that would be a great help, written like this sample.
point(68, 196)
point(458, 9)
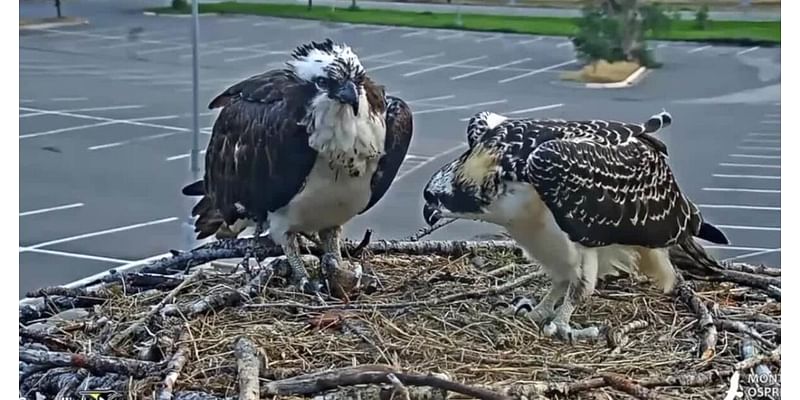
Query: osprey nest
point(397, 320)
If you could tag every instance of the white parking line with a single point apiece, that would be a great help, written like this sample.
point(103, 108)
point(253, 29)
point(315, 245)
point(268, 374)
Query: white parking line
point(739, 207)
point(762, 141)
point(772, 115)
point(438, 67)
point(698, 49)
point(757, 148)
point(303, 26)
point(538, 39)
point(74, 255)
point(462, 107)
point(69, 98)
point(50, 209)
point(430, 160)
point(136, 121)
point(408, 61)
point(379, 30)
point(488, 38)
point(68, 129)
point(380, 55)
point(136, 140)
point(524, 111)
point(427, 99)
point(537, 71)
point(765, 134)
point(753, 254)
point(745, 51)
point(267, 23)
point(742, 190)
point(163, 49)
point(451, 36)
point(749, 165)
point(771, 177)
point(109, 108)
point(120, 269)
point(414, 33)
point(564, 44)
point(492, 68)
point(255, 55)
point(182, 156)
point(762, 156)
point(99, 233)
point(750, 228)
point(771, 121)
point(736, 248)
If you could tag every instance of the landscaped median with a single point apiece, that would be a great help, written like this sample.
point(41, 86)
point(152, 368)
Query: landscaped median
point(744, 32)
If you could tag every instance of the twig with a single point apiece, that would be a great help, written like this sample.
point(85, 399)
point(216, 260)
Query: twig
point(398, 388)
point(617, 338)
point(144, 321)
point(364, 242)
point(429, 229)
point(705, 321)
point(175, 365)
point(97, 364)
point(773, 357)
point(748, 350)
point(626, 385)
point(247, 368)
point(46, 339)
point(741, 327)
point(369, 374)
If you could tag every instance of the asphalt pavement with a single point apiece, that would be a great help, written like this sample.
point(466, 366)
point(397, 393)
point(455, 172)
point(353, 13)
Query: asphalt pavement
point(105, 122)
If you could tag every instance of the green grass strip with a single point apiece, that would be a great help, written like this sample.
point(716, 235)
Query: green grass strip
point(741, 32)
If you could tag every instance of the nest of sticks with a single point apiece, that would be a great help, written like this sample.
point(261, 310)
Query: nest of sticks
point(401, 320)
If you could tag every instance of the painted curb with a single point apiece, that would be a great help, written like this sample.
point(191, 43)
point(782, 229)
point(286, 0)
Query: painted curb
point(630, 80)
point(50, 25)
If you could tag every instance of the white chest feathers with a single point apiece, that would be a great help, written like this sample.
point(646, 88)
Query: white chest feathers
point(347, 141)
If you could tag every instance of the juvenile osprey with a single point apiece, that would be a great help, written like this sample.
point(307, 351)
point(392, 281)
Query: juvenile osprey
point(301, 150)
point(583, 198)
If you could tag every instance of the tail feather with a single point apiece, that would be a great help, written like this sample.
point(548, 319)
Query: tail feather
point(194, 189)
point(691, 257)
point(712, 234)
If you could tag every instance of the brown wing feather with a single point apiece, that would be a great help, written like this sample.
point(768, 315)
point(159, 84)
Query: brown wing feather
point(399, 129)
point(258, 155)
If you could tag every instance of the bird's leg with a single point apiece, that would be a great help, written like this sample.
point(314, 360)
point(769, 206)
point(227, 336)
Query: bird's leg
point(250, 251)
point(299, 275)
point(330, 239)
point(545, 310)
point(579, 290)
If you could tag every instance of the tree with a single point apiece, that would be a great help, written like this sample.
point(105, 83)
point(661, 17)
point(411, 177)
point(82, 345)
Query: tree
point(615, 30)
point(58, 8)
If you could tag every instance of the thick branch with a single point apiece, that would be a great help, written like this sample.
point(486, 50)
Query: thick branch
point(369, 374)
point(705, 322)
point(247, 368)
point(95, 363)
point(175, 365)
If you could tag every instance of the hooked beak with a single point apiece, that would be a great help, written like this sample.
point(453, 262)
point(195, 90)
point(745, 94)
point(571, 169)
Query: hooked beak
point(348, 94)
point(432, 214)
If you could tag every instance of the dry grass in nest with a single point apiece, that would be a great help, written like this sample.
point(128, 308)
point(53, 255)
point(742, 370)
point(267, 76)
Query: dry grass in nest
point(465, 340)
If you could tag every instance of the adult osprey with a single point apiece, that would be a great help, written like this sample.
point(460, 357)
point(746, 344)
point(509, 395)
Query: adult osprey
point(301, 149)
point(583, 198)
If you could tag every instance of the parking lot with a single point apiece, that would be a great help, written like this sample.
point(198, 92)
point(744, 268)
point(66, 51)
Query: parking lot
point(105, 125)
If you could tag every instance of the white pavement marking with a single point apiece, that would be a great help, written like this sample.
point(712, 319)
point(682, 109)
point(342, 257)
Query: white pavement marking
point(438, 67)
point(182, 156)
point(430, 160)
point(255, 55)
point(732, 176)
point(762, 156)
point(414, 33)
point(762, 141)
point(742, 190)
point(136, 140)
point(136, 121)
point(110, 121)
point(69, 98)
point(109, 108)
point(698, 49)
point(427, 99)
point(745, 51)
point(524, 111)
point(765, 134)
point(120, 269)
point(267, 23)
point(750, 228)
point(253, 48)
point(492, 68)
point(461, 107)
point(662, 45)
point(538, 39)
point(537, 71)
point(451, 36)
point(378, 30)
point(380, 55)
point(771, 121)
point(749, 165)
point(488, 38)
point(736, 248)
point(441, 66)
point(50, 209)
point(772, 115)
point(100, 233)
point(739, 207)
point(753, 254)
point(74, 255)
point(303, 26)
point(62, 130)
point(163, 49)
point(564, 44)
point(408, 61)
point(757, 148)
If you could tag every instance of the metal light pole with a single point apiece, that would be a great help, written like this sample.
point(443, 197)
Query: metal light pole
point(194, 166)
